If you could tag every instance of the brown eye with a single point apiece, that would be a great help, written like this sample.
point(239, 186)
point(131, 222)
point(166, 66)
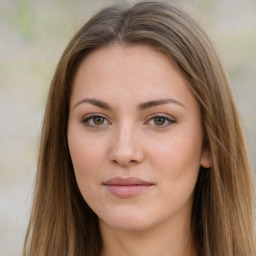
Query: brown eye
point(98, 120)
point(95, 121)
point(159, 120)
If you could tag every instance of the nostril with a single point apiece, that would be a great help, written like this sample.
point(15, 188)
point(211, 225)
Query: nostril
point(114, 161)
point(123, 162)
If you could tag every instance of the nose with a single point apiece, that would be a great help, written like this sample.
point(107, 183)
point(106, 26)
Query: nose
point(126, 147)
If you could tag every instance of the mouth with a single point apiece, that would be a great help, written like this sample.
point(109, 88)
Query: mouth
point(127, 187)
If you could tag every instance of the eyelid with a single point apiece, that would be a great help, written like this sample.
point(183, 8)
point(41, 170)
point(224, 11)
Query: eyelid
point(92, 115)
point(170, 119)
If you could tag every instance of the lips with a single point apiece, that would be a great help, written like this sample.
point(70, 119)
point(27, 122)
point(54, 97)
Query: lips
point(127, 187)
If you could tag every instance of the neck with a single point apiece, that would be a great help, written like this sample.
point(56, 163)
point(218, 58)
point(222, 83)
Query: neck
point(160, 240)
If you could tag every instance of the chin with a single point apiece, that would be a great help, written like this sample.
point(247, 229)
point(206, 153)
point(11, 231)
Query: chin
point(130, 221)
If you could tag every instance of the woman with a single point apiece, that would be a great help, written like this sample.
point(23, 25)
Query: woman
point(142, 151)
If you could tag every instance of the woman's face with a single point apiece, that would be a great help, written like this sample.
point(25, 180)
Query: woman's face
point(135, 138)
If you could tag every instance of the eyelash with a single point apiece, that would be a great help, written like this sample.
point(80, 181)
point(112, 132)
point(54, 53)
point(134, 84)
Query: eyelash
point(87, 119)
point(166, 118)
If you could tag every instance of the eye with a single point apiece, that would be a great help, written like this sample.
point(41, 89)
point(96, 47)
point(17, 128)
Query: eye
point(161, 121)
point(95, 121)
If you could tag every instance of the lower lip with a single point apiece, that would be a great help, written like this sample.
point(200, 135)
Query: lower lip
point(126, 191)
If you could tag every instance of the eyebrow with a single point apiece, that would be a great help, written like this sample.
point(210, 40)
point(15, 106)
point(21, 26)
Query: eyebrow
point(95, 102)
point(142, 106)
point(155, 103)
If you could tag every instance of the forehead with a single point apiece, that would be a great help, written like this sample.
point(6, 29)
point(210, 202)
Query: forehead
point(120, 71)
point(103, 59)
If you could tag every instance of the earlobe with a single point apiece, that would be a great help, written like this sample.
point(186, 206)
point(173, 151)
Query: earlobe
point(206, 159)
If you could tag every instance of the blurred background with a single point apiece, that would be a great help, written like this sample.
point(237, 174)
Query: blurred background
point(33, 35)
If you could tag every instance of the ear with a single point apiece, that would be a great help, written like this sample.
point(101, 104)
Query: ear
point(206, 158)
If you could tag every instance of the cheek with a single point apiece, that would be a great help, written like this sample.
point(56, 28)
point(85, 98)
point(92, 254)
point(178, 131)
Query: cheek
point(178, 158)
point(178, 152)
point(179, 171)
point(87, 157)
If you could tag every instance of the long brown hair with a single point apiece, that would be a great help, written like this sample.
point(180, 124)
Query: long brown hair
point(61, 222)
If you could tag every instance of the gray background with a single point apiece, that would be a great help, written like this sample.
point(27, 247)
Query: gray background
point(33, 35)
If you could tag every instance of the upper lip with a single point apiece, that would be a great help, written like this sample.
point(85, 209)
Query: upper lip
point(127, 181)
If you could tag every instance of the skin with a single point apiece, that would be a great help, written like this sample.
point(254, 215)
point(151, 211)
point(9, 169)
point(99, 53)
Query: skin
point(129, 141)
